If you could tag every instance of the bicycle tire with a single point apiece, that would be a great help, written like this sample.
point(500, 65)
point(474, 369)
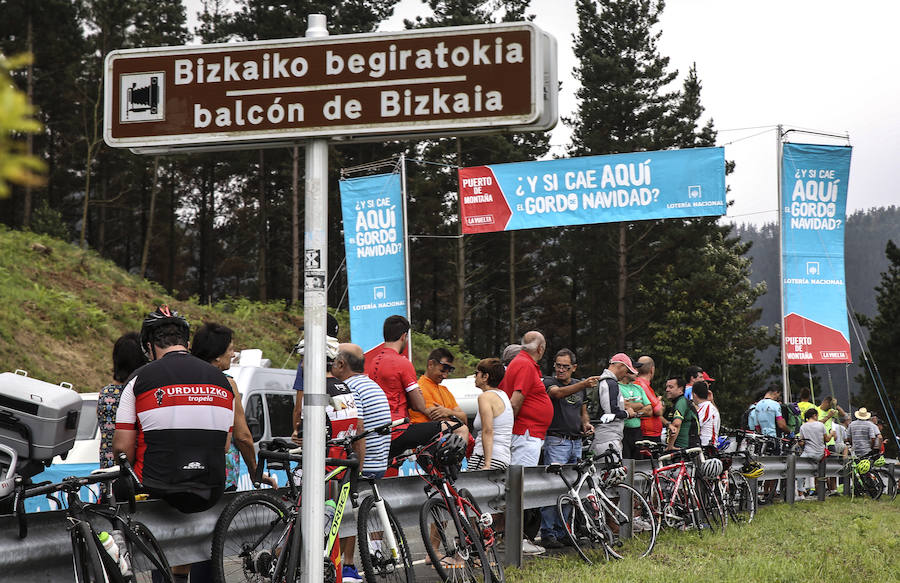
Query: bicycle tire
point(890, 489)
point(872, 485)
point(740, 499)
point(85, 556)
point(449, 544)
point(576, 522)
point(378, 563)
point(711, 499)
point(641, 543)
point(695, 509)
point(248, 536)
point(146, 555)
point(495, 563)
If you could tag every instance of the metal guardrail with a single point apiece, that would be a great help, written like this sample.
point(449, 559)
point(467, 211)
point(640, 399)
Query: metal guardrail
point(45, 555)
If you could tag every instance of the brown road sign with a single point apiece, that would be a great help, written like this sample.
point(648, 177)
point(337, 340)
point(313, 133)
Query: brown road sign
point(448, 80)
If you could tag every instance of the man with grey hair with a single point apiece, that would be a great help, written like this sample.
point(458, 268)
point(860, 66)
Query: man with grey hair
point(509, 353)
point(531, 406)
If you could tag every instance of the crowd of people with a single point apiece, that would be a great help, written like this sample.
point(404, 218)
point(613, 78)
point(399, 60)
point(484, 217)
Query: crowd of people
point(179, 418)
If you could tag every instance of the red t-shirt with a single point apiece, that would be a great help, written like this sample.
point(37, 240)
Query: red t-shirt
point(395, 375)
point(650, 426)
point(536, 413)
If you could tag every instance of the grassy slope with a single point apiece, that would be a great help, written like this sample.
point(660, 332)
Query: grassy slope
point(62, 311)
point(841, 540)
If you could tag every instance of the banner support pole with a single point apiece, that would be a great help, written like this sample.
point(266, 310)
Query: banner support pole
point(409, 342)
point(785, 383)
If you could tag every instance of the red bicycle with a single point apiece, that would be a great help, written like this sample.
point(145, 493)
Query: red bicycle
point(671, 491)
point(458, 536)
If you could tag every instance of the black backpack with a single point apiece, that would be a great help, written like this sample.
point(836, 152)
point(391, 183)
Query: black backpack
point(745, 418)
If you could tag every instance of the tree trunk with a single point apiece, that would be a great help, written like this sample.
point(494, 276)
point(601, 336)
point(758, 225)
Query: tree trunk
point(623, 288)
point(170, 276)
point(145, 254)
point(29, 137)
point(295, 228)
point(512, 287)
point(263, 238)
point(203, 217)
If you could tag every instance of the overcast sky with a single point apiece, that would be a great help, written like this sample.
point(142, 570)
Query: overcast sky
point(825, 65)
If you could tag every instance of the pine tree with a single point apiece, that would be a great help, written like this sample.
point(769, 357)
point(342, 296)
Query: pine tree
point(884, 345)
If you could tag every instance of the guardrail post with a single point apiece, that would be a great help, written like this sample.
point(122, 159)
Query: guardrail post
point(847, 483)
point(821, 481)
point(515, 513)
point(626, 503)
point(790, 477)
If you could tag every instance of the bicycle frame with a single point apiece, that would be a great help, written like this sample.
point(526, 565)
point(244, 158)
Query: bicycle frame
point(683, 476)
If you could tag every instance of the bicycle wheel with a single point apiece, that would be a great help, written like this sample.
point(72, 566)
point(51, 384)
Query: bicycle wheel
point(146, 555)
point(872, 485)
point(85, 556)
point(711, 499)
point(696, 512)
point(450, 544)
point(583, 530)
point(379, 562)
point(642, 539)
point(891, 488)
point(248, 538)
point(740, 500)
point(488, 539)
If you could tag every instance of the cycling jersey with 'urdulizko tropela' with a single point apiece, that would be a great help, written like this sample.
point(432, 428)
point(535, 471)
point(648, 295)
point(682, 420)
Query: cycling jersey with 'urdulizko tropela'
point(182, 410)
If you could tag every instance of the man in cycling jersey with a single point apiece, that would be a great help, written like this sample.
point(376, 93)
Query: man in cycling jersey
point(173, 420)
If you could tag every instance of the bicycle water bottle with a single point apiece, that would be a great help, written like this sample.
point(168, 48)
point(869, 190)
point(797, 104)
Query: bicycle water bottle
point(330, 509)
point(109, 545)
point(124, 555)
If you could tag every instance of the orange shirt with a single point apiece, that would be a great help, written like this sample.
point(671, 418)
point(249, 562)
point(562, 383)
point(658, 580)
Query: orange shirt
point(434, 394)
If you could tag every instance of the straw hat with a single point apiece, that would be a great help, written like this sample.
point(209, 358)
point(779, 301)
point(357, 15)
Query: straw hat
point(862, 413)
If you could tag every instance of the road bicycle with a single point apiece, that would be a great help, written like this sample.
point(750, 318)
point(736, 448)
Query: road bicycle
point(671, 491)
point(258, 536)
point(594, 520)
point(142, 559)
point(738, 497)
point(865, 480)
point(458, 537)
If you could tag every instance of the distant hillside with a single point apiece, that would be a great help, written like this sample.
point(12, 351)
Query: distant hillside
point(64, 308)
point(865, 237)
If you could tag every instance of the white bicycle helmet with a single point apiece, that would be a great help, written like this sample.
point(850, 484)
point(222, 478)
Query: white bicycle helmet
point(711, 468)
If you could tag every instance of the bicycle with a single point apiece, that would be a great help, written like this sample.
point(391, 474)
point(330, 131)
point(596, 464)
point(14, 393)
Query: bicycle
point(671, 492)
point(257, 537)
point(142, 555)
point(468, 552)
point(865, 481)
point(593, 520)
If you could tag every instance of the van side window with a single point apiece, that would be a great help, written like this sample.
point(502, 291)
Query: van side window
point(254, 414)
point(281, 408)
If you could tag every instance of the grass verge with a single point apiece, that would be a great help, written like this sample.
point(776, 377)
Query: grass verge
point(840, 540)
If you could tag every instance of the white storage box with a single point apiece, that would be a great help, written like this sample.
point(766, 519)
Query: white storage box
point(46, 413)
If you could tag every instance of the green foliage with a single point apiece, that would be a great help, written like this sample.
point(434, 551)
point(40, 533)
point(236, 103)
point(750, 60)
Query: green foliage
point(783, 544)
point(884, 345)
point(16, 118)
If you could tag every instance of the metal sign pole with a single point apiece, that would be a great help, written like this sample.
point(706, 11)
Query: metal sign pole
point(314, 303)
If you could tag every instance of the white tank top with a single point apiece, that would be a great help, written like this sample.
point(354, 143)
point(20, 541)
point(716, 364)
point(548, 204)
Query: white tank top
point(503, 426)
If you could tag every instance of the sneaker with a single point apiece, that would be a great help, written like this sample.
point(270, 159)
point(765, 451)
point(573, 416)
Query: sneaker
point(529, 548)
point(550, 542)
point(640, 524)
point(349, 574)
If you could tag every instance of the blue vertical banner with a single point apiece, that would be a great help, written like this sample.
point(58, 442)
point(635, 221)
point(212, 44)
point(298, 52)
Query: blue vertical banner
point(814, 183)
point(375, 245)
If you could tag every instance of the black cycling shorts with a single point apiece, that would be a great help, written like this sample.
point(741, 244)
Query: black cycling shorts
point(415, 435)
